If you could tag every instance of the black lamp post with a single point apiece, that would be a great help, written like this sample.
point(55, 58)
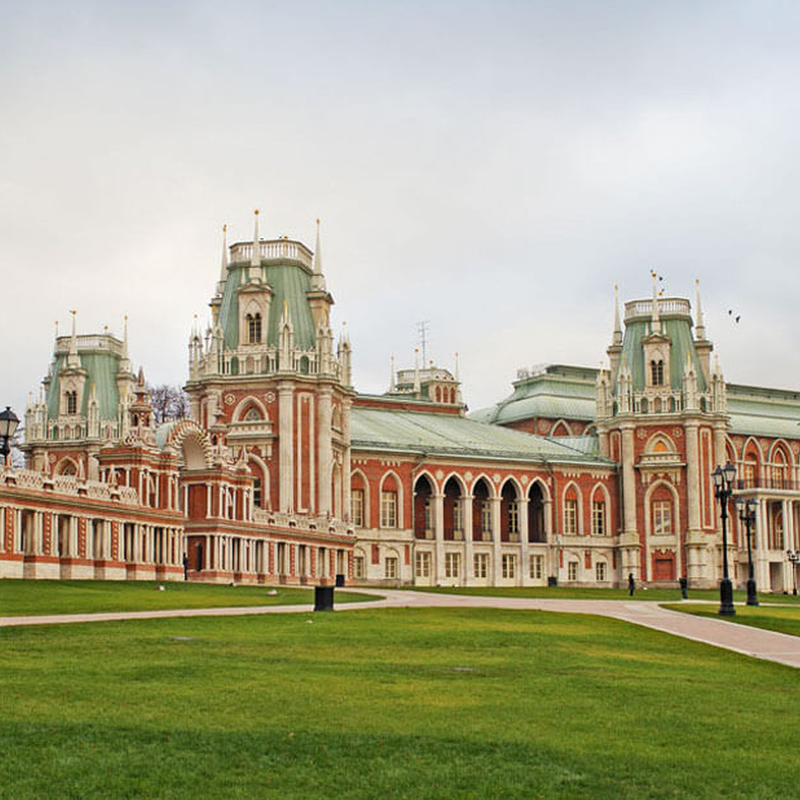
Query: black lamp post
point(8, 427)
point(795, 559)
point(747, 514)
point(723, 488)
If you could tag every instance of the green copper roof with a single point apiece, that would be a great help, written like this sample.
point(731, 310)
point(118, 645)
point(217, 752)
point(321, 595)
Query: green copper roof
point(450, 435)
point(558, 391)
point(102, 369)
point(289, 282)
point(758, 411)
point(679, 332)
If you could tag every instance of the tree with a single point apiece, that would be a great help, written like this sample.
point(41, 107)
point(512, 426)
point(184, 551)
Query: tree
point(168, 402)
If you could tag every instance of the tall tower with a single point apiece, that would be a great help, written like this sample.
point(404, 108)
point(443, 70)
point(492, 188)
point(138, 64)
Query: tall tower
point(267, 382)
point(662, 414)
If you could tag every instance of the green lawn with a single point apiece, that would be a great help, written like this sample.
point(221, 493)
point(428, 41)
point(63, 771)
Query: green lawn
point(388, 703)
point(19, 598)
point(586, 593)
point(773, 618)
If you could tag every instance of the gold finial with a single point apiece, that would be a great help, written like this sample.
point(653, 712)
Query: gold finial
point(616, 288)
point(285, 304)
point(224, 228)
point(317, 220)
point(125, 317)
point(256, 212)
point(73, 313)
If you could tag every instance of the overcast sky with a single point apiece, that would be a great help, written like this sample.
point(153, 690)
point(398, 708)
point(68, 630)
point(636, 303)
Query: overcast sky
point(492, 167)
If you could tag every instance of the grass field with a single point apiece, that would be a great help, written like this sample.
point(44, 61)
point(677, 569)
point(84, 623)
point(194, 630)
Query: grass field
point(772, 618)
point(587, 593)
point(18, 598)
point(389, 703)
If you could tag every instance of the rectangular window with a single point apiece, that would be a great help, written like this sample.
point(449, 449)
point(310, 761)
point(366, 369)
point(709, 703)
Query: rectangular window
point(572, 571)
point(662, 517)
point(570, 517)
point(458, 519)
point(509, 566)
point(486, 519)
point(537, 567)
point(388, 509)
point(358, 566)
point(422, 564)
point(390, 566)
point(357, 507)
point(480, 563)
point(428, 517)
point(600, 571)
point(513, 517)
point(599, 517)
point(452, 565)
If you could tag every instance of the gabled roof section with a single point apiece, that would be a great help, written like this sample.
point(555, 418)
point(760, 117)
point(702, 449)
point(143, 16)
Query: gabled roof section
point(446, 435)
point(554, 391)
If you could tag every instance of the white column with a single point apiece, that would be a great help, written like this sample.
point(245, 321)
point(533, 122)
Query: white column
point(469, 554)
point(497, 569)
point(438, 535)
point(525, 567)
point(693, 484)
point(346, 467)
point(286, 447)
point(325, 450)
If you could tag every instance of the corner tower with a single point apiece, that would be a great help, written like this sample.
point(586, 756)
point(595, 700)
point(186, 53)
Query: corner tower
point(266, 381)
point(662, 415)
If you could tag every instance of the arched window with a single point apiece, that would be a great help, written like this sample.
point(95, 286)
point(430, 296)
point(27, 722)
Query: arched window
point(252, 415)
point(423, 508)
point(509, 513)
point(657, 372)
point(253, 328)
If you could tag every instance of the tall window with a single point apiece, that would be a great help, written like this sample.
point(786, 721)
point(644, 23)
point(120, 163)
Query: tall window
point(357, 507)
point(452, 565)
point(570, 517)
point(599, 517)
point(750, 472)
point(600, 571)
point(778, 472)
point(509, 565)
point(513, 517)
point(254, 328)
point(572, 570)
point(662, 517)
point(422, 564)
point(480, 564)
point(388, 509)
point(458, 518)
point(428, 512)
point(72, 402)
point(257, 493)
point(537, 567)
point(390, 566)
point(486, 519)
point(358, 566)
point(657, 372)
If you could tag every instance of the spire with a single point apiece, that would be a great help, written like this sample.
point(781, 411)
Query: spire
point(700, 327)
point(72, 358)
point(417, 384)
point(656, 316)
point(255, 260)
point(318, 279)
point(617, 339)
point(458, 379)
point(223, 271)
point(392, 384)
point(56, 329)
point(124, 361)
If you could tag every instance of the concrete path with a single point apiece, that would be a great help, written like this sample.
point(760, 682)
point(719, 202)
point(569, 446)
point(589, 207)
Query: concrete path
point(766, 645)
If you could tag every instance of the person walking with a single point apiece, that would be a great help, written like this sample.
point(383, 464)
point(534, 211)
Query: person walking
point(631, 584)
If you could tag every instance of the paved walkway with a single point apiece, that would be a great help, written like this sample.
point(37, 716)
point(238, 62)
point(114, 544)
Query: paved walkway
point(766, 645)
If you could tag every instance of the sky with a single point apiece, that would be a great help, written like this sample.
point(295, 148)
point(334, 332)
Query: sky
point(493, 168)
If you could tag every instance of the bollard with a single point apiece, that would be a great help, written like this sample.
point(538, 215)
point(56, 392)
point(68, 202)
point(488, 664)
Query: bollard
point(339, 580)
point(323, 598)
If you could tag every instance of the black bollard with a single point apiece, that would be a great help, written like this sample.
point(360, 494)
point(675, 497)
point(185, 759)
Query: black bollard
point(323, 598)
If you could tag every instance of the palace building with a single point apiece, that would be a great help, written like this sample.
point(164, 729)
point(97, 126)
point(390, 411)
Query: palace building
point(284, 473)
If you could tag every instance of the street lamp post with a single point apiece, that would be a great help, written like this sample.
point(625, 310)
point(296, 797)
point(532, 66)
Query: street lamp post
point(8, 427)
point(723, 488)
point(795, 559)
point(747, 514)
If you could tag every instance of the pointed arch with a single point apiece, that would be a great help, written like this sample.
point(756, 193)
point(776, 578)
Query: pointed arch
point(572, 516)
point(510, 497)
point(424, 488)
point(391, 508)
point(454, 501)
point(660, 519)
point(259, 469)
point(660, 442)
point(600, 500)
point(359, 499)
point(189, 439)
point(246, 405)
point(66, 466)
point(561, 428)
point(482, 509)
